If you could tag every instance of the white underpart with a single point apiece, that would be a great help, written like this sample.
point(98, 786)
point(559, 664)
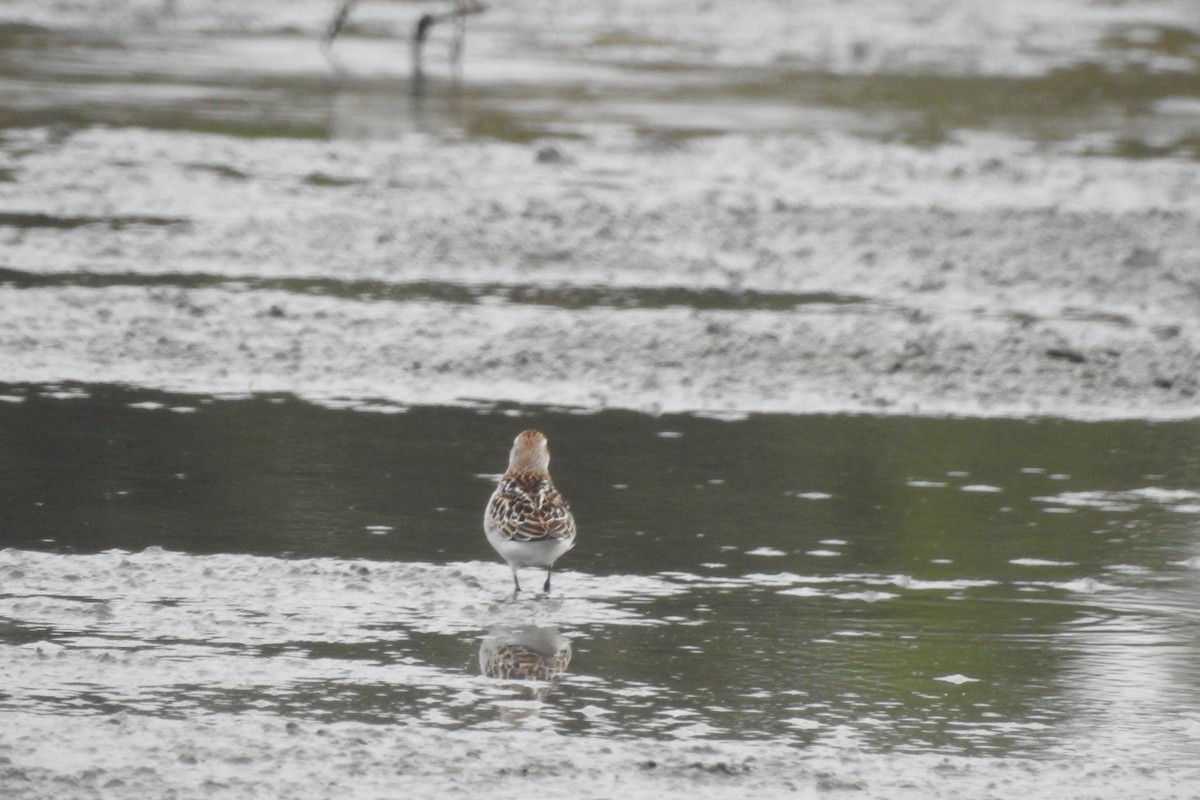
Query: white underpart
point(525, 554)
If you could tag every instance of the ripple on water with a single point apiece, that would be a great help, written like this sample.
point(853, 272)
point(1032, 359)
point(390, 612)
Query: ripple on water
point(1183, 501)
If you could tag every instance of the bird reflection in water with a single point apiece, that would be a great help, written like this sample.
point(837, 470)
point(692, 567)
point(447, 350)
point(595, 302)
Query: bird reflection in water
point(527, 653)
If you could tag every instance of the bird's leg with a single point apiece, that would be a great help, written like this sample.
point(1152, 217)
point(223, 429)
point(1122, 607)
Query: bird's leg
point(336, 24)
point(456, 44)
point(420, 34)
point(516, 583)
point(546, 588)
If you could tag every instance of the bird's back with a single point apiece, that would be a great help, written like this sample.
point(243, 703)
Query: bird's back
point(527, 508)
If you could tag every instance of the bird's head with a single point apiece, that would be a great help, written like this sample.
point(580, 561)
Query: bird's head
point(530, 453)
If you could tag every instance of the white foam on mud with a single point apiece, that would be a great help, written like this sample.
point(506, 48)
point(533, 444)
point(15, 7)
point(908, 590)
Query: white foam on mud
point(259, 601)
point(137, 626)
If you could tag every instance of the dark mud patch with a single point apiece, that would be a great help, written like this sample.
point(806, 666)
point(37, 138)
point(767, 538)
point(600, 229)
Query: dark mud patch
point(12, 219)
point(563, 297)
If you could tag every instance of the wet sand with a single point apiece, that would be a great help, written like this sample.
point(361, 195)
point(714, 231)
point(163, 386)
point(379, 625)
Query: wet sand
point(372, 761)
point(748, 273)
point(645, 206)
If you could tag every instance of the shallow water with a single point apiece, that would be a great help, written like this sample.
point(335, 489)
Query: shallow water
point(269, 321)
point(956, 587)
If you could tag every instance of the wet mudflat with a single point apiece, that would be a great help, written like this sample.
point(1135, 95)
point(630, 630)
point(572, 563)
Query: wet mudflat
point(867, 341)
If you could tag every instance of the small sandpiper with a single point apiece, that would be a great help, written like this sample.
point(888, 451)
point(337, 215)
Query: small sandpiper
point(527, 520)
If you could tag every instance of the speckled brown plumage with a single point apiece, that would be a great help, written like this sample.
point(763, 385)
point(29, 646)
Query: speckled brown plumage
point(527, 520)
point(527, 508)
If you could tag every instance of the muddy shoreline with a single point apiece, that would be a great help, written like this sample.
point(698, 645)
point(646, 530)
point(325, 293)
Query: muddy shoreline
point(743, 274)
point(379, 761)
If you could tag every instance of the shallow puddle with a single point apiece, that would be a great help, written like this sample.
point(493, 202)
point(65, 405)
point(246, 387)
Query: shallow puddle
point(951, 586)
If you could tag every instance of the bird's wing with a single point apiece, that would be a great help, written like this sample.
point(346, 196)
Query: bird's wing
point(525, 511)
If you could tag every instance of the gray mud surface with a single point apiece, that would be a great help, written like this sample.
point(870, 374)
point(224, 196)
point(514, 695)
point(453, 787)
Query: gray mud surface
point(746, 274)
point(902, 210)
point(373, 761)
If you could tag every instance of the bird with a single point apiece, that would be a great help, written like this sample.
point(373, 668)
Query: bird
point(458, 15)
point(527, 520)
